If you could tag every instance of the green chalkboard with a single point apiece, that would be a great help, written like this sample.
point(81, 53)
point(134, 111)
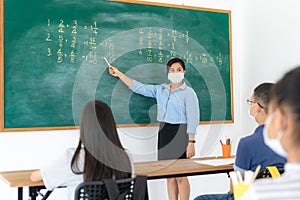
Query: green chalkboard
point(53, 59)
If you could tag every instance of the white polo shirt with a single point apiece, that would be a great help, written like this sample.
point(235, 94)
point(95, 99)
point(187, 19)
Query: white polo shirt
point(59, 172)
point(286, 187)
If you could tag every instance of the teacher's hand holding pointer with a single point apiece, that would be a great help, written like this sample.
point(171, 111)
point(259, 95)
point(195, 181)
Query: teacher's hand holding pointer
point(115, 72)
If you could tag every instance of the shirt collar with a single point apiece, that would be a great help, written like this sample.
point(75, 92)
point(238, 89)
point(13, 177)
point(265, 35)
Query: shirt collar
point(291, 167)
point(259, 129)
point(182, 87)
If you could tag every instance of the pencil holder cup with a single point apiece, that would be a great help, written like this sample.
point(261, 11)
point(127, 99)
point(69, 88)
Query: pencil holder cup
point(226, 150)
point(239, 190)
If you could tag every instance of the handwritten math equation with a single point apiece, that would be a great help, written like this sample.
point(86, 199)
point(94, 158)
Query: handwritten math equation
point(73, 42)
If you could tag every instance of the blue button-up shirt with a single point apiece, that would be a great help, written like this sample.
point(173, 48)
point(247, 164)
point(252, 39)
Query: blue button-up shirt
point(177, 107)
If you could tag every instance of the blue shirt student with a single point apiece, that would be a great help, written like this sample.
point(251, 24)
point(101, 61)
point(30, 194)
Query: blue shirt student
point(252, 152)
point(177, 107)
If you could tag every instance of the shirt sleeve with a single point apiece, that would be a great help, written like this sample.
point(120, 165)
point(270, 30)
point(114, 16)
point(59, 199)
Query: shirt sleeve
point(143, 89)
point(192, 112)
point(243, 157)
point(59, 172)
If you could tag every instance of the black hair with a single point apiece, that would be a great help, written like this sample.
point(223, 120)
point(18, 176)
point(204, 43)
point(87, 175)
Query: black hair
point(104, 155)
point(175, 60)
point(261, 95)
point(286, 92)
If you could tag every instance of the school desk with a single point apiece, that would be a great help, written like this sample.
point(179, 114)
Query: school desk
point(153, 170)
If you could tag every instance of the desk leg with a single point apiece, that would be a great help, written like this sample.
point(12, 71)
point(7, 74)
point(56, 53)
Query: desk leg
point(228, 175)
point(47, 195)
point(20, 193)
point(33, 193)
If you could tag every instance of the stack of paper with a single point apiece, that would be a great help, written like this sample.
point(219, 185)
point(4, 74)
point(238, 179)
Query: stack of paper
point(216, 162)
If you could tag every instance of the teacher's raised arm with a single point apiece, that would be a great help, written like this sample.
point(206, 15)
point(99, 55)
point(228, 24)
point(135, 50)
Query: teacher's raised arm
point(115, 72)
point(178, 114)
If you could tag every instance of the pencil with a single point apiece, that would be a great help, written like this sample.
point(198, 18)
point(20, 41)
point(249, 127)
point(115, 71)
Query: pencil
point(221, 142)
point(255, 173)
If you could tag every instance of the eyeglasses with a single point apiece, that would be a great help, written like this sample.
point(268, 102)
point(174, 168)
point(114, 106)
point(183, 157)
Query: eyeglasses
point(250, 102)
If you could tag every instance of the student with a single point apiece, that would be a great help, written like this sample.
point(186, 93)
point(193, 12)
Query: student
point(282, 135)
point(252, 150)
point(178, 114)
point(99, 153)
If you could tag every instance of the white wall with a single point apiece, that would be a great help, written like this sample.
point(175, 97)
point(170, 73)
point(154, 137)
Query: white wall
point(271, 30)
point(265, 41)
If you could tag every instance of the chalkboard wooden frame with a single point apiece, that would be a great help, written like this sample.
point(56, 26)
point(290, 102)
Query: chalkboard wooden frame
point(1, 66)
point(2, 92)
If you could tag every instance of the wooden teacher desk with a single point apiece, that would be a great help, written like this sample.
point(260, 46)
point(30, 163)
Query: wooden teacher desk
point(154, 170)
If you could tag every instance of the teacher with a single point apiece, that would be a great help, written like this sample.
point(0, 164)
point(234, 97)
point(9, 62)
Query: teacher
point(178, 114)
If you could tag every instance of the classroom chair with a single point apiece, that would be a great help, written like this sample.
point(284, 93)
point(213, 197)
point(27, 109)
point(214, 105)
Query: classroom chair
point(126, 189)
point(265, 173)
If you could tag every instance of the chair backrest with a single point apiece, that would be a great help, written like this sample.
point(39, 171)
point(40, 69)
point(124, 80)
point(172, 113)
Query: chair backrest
point(265, 173)
point(96, 190)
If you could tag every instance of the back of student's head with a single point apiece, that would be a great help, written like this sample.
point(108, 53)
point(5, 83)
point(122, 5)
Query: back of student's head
point(262, 95)
point(286, 95)
point(104, 155)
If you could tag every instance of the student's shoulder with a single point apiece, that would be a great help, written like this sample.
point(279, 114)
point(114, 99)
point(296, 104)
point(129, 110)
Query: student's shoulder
point(70, 151)
point(256, 136)
point(249, 140)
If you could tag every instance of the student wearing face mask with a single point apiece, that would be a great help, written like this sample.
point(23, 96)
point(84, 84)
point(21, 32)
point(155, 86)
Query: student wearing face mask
point(282, 135)
point(252, 150)
point(178, 114)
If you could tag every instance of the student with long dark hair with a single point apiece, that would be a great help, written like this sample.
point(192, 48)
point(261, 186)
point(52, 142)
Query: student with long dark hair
point(99, 154)
point(282, 135)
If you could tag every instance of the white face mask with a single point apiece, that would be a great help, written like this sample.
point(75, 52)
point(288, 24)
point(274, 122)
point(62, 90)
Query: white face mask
point(252, 116)
point(274, 143)
point(175, 77)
